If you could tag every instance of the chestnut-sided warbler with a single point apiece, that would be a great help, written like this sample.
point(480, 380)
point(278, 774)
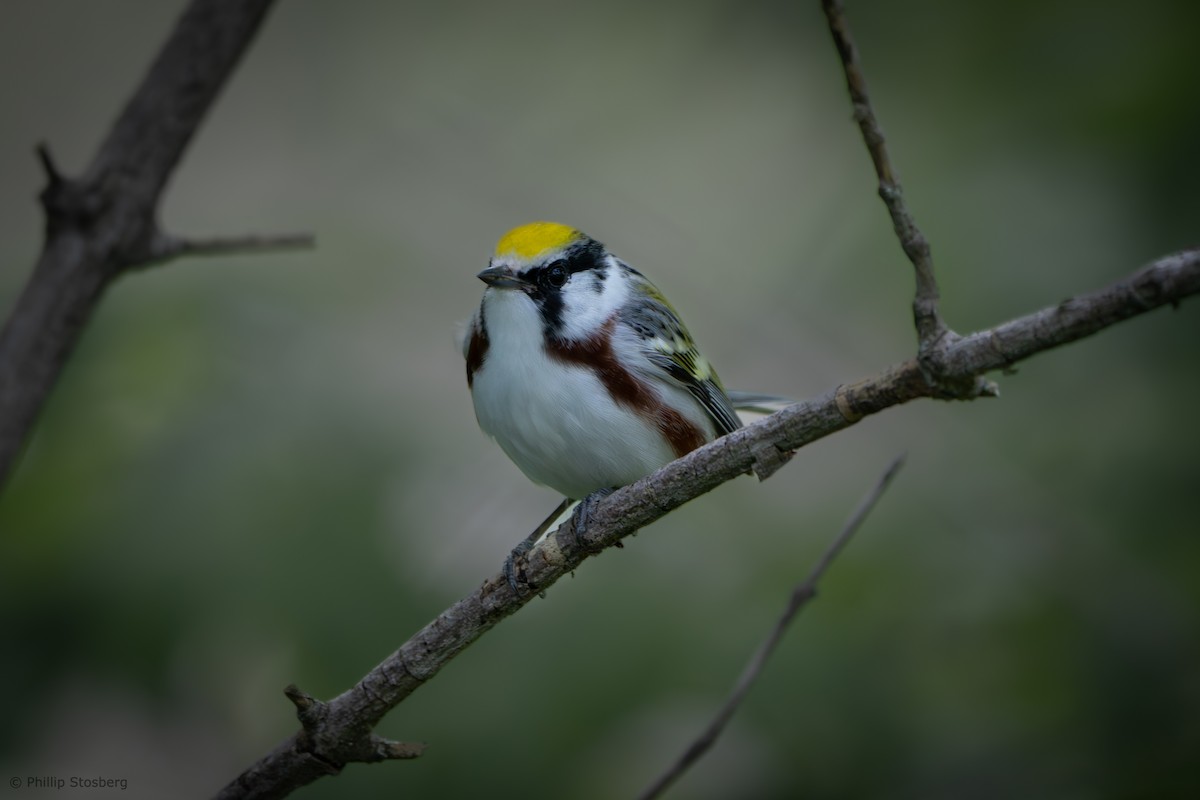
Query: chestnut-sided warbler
point(582, 371)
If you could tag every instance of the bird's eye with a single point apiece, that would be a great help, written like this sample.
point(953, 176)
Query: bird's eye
point(555, 276)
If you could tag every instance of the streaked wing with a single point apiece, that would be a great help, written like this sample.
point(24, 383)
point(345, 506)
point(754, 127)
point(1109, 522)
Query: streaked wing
point(669, 347)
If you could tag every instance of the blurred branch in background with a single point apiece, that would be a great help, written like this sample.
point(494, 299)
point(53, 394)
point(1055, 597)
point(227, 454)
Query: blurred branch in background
point(804, 591)
point(104, 223)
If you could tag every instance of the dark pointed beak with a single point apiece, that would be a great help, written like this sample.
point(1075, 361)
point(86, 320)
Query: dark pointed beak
point(502, 278)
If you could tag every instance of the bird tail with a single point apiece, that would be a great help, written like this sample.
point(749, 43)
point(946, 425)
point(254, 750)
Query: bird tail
point(759, 403)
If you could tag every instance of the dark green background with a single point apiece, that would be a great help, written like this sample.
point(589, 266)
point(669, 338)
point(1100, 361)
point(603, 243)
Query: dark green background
point(265, 469)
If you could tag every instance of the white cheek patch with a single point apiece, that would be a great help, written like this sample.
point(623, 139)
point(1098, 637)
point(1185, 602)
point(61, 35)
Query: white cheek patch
point(589, 301)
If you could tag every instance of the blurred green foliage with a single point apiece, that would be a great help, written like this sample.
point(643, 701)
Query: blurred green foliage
point(265, 470)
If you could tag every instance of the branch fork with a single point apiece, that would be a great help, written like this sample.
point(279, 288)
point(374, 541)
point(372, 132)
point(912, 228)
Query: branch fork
point(104, 222)
point(332, 745)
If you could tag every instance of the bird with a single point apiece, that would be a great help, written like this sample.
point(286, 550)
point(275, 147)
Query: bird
point(582, 370)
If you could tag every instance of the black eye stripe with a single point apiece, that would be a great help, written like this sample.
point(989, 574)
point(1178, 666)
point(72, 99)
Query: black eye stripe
point(549, 279)
point(578, 258)
point(551, 305)
point(583, 256)
point(551, 276)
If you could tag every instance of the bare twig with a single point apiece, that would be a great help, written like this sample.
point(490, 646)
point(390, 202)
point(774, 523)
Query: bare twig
point(167, 247)
point(354, 713)
point(804, 591)
point(53, 176)
point(103, 223)
point(928, 320)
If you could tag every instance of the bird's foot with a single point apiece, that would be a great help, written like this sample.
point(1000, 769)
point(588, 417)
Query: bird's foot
point(514, 565)
point(581, 518)
point(512, 572)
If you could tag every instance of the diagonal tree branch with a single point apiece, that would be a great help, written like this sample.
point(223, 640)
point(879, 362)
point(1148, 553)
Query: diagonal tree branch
point(103, 223)
point(344, 730)
point(803, 592)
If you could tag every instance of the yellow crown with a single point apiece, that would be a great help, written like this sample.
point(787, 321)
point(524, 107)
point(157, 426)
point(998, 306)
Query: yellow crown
point(531, 240)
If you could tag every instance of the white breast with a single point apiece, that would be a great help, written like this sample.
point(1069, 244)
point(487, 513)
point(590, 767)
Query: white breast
point(556, 421)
